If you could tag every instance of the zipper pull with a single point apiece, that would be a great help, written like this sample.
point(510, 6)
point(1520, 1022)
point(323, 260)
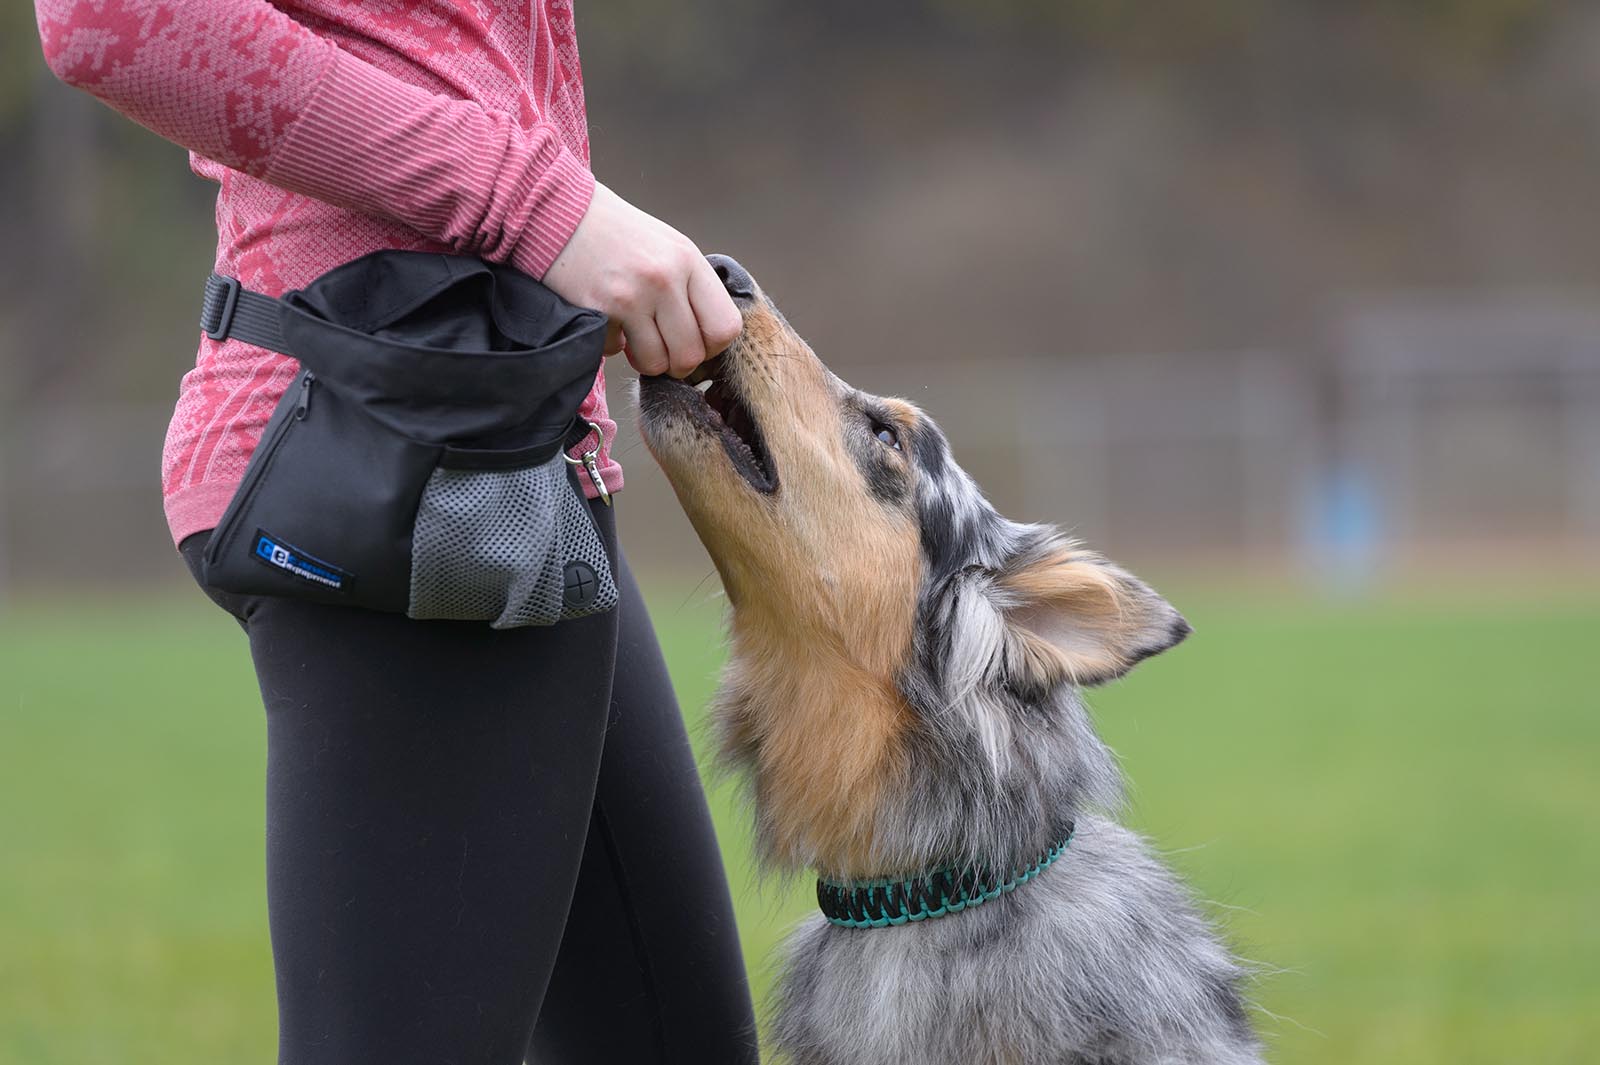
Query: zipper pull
point(305, 397)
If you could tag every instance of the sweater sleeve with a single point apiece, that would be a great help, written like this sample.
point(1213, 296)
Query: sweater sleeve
point(239, 82)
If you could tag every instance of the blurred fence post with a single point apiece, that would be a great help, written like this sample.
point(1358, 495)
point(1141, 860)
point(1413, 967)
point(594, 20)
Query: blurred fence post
point(1061, 442)
point(1580, 411)
point(5, 488)
point(1278, 430)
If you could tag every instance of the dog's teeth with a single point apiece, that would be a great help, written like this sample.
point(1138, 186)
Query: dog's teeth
point(704, 386)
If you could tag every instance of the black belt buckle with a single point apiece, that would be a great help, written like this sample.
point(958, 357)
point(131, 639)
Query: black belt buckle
point(216, 312)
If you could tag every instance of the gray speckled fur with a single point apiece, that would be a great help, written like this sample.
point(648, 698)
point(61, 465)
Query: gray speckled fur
point(1102, 960)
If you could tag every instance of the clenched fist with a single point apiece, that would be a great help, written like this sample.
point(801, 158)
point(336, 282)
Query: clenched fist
point(667, 307)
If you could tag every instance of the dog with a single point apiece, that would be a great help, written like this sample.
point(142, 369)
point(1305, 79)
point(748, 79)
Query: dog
point(903, 696)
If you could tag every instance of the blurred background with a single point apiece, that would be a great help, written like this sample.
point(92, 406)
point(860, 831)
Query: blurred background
point(1290, 306)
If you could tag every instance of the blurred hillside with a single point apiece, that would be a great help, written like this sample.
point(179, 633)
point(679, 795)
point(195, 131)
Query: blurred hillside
point(948, 197)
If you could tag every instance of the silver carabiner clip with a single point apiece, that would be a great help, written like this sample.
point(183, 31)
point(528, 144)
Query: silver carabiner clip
point(591, 463)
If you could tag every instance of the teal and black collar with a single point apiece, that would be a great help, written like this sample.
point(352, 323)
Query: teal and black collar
point(880, 903)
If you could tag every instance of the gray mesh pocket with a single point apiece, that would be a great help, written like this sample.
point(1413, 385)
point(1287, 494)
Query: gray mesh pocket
point(511, 547)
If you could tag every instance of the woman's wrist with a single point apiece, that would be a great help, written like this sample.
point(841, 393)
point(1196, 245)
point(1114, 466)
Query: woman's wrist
point(661, 295)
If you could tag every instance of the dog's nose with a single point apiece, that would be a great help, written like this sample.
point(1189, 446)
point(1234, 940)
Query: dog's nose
point(735, 278)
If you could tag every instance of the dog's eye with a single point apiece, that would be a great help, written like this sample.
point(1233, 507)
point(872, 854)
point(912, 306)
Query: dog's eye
point(886, 435)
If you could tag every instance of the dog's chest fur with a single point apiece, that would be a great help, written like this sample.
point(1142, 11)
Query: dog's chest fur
point(1102, 960)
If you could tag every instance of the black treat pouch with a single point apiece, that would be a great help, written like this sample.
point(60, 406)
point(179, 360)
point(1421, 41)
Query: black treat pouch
point(418, 462)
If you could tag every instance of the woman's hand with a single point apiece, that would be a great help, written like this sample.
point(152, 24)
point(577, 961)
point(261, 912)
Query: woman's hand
point(667, 307)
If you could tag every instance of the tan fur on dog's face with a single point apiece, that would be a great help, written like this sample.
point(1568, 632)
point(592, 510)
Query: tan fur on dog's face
point(823, 572)
point(822, 548)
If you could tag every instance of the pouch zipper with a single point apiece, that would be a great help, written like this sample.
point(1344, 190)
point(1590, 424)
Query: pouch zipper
point(258, 469)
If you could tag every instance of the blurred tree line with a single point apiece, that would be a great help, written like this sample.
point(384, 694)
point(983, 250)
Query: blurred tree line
point(87, 197)
point(925, 178)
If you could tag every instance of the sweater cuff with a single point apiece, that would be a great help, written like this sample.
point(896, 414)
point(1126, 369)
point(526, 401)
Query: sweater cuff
point(460, 174)
point(561, 198)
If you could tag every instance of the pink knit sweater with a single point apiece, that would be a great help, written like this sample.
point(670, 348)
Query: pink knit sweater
point(336, 129)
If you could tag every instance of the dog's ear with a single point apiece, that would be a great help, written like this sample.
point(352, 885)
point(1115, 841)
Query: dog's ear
point(1074, 616)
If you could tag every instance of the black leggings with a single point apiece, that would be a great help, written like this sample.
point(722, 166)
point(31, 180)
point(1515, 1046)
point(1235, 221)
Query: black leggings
point(470, 861)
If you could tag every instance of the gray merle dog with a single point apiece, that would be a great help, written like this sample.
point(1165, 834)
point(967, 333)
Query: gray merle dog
point(904, 697)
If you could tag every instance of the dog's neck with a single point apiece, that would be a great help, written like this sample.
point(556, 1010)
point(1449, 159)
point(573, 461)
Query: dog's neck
point(822, 741)
point(855, 780)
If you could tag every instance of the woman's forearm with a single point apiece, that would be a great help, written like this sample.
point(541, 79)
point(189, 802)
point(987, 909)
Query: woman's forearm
point(240, 82)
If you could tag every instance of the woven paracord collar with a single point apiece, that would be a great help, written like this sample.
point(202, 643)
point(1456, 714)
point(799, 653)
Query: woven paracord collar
point(880, 903)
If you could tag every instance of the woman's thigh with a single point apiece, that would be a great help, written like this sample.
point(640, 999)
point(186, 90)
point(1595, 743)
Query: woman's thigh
point(429, 787)
point(650, 969)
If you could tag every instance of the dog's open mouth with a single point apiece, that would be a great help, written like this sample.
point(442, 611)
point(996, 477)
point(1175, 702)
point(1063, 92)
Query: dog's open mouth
point(710, 396)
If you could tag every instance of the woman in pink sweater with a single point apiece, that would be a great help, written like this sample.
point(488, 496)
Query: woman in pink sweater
point(481, 845)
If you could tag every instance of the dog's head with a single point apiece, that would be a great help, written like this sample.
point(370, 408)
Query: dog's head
point(885, 616)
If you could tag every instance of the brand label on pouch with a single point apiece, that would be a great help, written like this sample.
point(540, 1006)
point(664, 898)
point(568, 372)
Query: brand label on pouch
point(273, 552)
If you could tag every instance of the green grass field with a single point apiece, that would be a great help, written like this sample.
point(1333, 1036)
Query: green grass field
point(1396, 807)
